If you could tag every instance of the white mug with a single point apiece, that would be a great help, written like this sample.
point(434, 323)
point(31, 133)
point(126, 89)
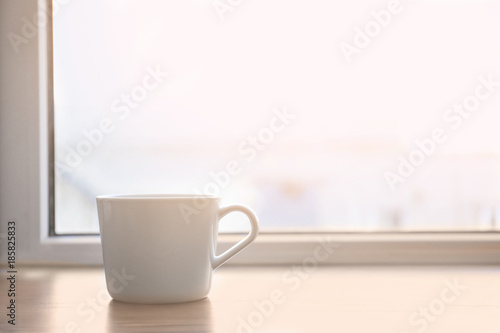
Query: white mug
point(161, 248)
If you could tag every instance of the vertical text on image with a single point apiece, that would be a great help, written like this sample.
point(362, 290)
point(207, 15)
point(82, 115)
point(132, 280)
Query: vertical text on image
point(11, 272)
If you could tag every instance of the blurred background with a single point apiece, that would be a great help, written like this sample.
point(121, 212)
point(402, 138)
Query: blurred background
point(122, 125)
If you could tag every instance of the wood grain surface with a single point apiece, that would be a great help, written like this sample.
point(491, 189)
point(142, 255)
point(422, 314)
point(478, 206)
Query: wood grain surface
point(385, 299)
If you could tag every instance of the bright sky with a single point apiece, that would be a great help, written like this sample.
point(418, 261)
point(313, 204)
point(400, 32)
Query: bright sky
point(355, 111)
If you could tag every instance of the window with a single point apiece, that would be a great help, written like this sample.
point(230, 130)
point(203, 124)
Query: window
point(360, 98)
point(337, 116)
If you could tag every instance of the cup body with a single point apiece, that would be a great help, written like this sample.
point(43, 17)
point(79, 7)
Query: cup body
point(151, 253)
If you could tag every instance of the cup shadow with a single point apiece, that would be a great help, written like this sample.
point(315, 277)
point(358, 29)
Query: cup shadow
point(186, 317)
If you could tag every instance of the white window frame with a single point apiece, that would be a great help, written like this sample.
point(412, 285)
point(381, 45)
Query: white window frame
point(26, 81)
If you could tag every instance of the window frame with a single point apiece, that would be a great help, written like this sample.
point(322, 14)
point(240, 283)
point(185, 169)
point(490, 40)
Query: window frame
point(25, 191)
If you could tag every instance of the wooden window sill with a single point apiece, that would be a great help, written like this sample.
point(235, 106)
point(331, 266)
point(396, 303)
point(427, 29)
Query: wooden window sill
point(268, 299)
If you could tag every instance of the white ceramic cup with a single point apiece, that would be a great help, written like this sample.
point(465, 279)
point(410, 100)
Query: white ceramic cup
point(161, 248)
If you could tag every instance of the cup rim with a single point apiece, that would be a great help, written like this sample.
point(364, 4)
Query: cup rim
point(156, 196)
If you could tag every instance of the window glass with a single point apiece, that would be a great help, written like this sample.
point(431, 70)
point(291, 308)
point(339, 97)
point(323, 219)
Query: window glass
point(321, 115)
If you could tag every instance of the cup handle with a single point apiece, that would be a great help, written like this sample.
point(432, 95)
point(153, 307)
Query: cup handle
point(219, 260)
